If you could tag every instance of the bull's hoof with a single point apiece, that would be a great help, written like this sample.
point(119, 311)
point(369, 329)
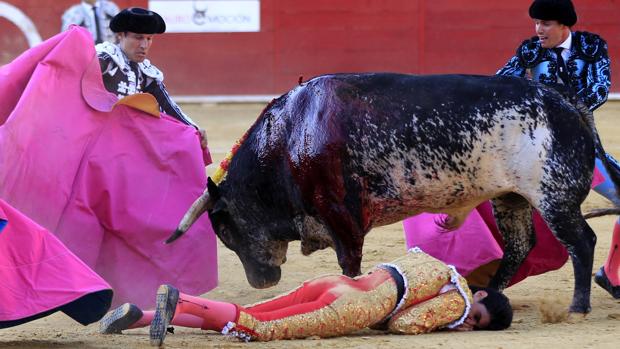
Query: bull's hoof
point(601, 279)
point(575, 318)
point(580, 309)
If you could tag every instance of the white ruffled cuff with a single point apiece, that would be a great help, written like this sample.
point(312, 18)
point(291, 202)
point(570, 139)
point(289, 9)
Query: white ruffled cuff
point(230, 331)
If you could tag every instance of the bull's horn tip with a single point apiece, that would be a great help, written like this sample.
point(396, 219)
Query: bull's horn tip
point(177, 234)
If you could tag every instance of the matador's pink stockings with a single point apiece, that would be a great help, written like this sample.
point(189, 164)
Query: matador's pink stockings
point(195, 312)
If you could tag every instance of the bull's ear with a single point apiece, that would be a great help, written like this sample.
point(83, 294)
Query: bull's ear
point(214, 191)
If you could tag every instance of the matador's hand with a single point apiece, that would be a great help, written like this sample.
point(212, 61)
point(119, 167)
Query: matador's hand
point(465, 326)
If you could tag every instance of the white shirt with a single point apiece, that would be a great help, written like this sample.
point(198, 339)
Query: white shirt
point(566, 47)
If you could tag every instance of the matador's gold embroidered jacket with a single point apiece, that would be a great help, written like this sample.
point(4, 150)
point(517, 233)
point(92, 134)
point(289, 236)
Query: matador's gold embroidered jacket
point(424, 307)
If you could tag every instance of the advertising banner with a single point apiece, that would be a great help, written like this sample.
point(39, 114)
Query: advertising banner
point(199, 16)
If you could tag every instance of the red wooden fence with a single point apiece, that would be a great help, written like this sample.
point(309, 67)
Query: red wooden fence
point(311, 37)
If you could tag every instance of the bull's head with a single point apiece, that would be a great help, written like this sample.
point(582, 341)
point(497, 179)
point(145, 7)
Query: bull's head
point(260, 254)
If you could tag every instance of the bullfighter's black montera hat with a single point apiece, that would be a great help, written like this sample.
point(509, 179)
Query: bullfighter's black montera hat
point(138, 20)
point(562, 11)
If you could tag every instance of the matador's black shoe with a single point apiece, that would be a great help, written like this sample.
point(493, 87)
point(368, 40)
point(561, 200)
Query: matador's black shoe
point(167, 298)
point(120, 319)
point(601, 279)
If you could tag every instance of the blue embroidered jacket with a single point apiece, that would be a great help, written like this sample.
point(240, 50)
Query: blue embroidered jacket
point(588, 66)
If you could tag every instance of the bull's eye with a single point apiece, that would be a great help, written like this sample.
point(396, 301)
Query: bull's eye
point(225, 226)
point(225, 232)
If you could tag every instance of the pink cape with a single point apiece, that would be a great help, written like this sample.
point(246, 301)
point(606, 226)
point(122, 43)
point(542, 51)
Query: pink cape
point(112, 182)
point(478, 241)
point(38, 272)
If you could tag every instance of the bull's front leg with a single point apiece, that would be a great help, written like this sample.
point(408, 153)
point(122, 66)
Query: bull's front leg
point(347, 236)
point(328, 191)
point(350, 257)
point(514, 219)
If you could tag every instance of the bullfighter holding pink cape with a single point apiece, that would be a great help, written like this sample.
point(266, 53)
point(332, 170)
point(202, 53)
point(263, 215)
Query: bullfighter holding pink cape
point(111, 179)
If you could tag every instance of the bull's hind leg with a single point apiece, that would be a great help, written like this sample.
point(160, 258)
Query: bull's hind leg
point(514, 219)
point(569, 226)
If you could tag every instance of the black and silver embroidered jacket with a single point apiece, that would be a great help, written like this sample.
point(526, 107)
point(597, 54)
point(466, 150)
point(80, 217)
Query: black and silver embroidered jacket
point(588, 66)
point(123, 78)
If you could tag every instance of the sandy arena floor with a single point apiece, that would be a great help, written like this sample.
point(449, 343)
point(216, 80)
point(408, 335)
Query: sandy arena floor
point(224, 124)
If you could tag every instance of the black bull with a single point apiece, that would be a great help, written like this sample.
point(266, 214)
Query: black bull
point(341, 154)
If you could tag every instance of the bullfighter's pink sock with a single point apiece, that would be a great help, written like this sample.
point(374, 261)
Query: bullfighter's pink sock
point(145, 320)
point(612, 265)
point(184, 320)
point(213, 314)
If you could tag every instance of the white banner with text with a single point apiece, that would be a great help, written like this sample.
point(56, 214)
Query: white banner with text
point(203, 16)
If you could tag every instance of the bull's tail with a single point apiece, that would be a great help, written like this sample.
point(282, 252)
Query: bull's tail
point(588, 118)
point(196, 210)
point(602, 212)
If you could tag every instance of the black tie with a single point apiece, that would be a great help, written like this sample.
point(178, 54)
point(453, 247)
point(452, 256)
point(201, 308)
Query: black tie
point(562, 70)
point(98, 40)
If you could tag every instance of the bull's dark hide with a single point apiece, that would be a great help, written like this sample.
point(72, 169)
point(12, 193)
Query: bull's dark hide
point(341, 154)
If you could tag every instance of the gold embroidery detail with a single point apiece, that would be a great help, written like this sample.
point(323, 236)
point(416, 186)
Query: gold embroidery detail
point(430, 315)
point(425, 276)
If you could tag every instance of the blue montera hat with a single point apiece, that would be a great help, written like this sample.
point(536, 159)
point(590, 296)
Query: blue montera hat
point(138, 20)
point(562, 11)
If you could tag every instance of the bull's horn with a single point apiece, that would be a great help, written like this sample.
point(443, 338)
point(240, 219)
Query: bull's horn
point(601, 212)
point(196, 210)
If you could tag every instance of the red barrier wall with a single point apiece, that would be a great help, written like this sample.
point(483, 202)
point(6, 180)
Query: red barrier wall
point(311, 37)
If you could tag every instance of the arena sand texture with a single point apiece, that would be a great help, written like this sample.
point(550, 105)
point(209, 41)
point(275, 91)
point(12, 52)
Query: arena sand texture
point(224, 124)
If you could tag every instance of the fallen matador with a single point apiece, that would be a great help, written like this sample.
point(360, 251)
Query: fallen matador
point(411, 295)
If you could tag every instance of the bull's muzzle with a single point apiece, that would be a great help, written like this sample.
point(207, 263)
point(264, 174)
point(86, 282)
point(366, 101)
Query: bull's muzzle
point(262, 276)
